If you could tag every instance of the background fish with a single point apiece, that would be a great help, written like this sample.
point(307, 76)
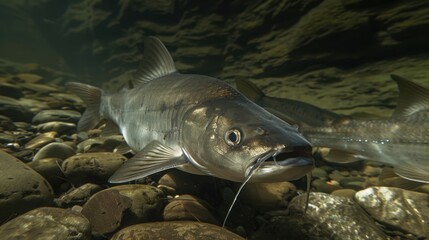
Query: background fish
point(401, 140)
point(195, 123)
point(292, 111)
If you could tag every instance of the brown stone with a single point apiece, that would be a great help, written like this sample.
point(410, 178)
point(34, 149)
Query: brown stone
point(187, 207)
point(175, 230)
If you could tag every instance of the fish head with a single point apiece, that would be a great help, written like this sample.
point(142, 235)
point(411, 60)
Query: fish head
point(229, 142)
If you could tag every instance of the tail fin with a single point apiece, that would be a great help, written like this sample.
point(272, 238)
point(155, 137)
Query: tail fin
point(91, 96)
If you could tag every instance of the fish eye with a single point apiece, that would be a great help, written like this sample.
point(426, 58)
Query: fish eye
point(233, 137)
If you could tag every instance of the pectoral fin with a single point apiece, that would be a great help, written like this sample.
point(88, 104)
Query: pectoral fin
point(153, 158)
point(411, 173)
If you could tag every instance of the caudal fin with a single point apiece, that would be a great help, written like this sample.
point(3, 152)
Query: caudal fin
point(91, 96)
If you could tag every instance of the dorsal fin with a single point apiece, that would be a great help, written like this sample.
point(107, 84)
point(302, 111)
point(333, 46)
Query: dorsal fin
point(412, 97)
point(156, 62)
point(249, 89)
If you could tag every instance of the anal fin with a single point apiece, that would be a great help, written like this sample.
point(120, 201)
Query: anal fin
point(153, 158)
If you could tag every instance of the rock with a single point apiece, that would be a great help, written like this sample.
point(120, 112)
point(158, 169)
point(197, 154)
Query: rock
point(67, 97)
point(47, 223)
point(175, 230)
point(292, 227)
point(372, 181)
point(6, 124)
point(77, 208)
point(167, 190)
point(319, 173)
point(56, 115)
point(100, 144)
point(268, 196)
point(60, 127)
point(348, 193)
point(374, 164)
point(187, 207)
point(357, 186)
point(325, 186)
point(54, 150)
point(41, 140)
point(92, 167)
point(14, 110)
point(356, 183)
point(106, 210)
point(39, 88)
point(327, 168)
point(49, 168)
point(185, 183)
point(10, 90)
point(7, 138)
point(344, 181)
point(21, 188)
point(23, 135)
point(33, 104)
point(77, 196)
point(29, 77)
point(336, 175)
point(339, 216)
point(371, 171)
point(423, 188)
point(25, 155)
point(404, 210)
point(23, 125)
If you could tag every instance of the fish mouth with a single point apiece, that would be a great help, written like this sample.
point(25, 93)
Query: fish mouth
point(284, 157)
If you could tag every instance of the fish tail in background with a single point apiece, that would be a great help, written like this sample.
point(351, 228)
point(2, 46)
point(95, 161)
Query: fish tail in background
point(92, 97)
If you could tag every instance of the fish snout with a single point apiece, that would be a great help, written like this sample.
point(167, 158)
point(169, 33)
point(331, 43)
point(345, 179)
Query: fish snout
point(289, 159)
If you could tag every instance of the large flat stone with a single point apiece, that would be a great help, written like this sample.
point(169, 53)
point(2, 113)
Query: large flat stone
point(21, 188)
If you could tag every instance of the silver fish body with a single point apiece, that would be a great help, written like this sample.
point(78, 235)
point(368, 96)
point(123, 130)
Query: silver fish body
point(195, 123)
point(291, 111)
point(402, 140)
